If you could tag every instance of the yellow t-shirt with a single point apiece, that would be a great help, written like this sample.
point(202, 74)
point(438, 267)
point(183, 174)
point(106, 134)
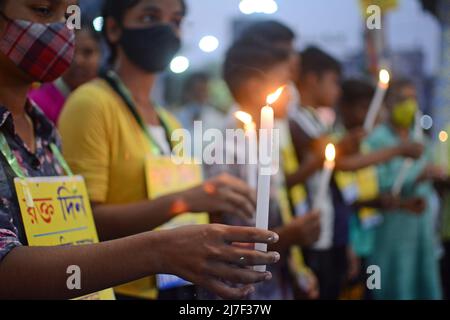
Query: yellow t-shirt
point(104, 143)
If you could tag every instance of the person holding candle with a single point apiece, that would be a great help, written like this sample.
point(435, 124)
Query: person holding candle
point(253, 72)
point(357, 175)
point(28, 136)
point(275, 33)
point(353, 108)
point(319, 86)
point(126, 138)
point(405, 243)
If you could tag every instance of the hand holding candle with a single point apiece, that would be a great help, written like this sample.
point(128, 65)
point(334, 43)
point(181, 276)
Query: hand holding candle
point(265, 169)
point(328, 168)
point(377, 101)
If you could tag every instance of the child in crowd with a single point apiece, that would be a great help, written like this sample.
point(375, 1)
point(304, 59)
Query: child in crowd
point(358, 178)
point(252, 72)
point(319, 86)
point(405, 245)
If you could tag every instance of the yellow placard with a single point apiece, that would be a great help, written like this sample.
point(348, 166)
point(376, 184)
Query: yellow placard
point(164, 177)
point(344, 179)
point(56, 211)
point(364, 180)
point(367, 181)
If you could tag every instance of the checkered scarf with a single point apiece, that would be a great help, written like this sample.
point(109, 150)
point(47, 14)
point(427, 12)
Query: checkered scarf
point(43, 51)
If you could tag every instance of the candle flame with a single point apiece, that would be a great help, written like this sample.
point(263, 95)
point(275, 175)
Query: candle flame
point(272, 98)
point(443, 136)
point(250, 127)
point(385, 77)
point(330, 152)
point(244, 117)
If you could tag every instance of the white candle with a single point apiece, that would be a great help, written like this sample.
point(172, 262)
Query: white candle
point(252, 152)
point(377, 101)
point(401, 178)
point(443, 139)
point(265, 169)
point(328, 168)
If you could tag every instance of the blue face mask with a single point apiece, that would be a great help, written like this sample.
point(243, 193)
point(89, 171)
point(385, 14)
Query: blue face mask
point(151, 49)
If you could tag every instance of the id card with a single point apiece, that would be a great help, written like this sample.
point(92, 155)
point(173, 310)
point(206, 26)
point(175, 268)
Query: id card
point(56, 212)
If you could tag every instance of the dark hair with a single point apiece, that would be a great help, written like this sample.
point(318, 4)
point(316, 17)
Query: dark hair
point(244, 61)
point(117, 9)
point(316, 61)
point(267, 32)
point(355, 91)
point(86, 26)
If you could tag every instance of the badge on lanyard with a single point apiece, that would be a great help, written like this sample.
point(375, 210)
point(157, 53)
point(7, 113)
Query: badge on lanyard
point(55, 211)
point(361, 185)
point(61, 215)
point(367, 180)
point(300, 200)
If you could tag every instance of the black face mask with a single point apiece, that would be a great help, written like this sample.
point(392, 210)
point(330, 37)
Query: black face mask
point(151, 49)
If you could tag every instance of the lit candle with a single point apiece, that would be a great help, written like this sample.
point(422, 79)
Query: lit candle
point(377, 101)
point(328, 168)
point(251, 137)
point(443, 138)
point(265, 169)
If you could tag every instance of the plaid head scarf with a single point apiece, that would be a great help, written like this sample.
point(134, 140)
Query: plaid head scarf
point(42, 51)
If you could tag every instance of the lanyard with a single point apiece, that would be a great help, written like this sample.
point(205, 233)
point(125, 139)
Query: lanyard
point(114, 81)
point(14, 164)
